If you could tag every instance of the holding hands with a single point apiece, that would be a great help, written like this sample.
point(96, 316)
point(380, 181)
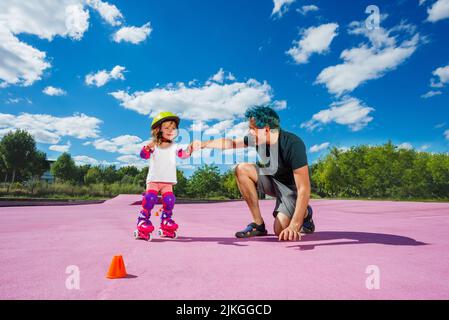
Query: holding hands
point(195, 146)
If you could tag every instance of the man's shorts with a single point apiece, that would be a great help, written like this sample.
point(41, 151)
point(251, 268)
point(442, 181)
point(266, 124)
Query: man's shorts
point(285, 195)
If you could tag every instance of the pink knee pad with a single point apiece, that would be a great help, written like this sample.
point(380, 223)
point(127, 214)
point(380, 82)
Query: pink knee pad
point(149, 200)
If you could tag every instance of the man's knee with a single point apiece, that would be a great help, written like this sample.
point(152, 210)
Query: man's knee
point(281, 222)
point(245, 170)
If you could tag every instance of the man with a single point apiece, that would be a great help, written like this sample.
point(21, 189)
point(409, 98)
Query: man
point(283, 174)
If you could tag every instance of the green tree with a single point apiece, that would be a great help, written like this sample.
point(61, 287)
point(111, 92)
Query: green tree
point(17, 151)
point(38, 164)
point(80, 173)
point(92, 176)
point(128, 171)
point(180, 188)
point(229, 185)
point(205, 182)
point(110, 175)
point(141, 178)
point(64, 168)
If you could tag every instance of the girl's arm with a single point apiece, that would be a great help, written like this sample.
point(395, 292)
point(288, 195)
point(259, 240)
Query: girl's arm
point(145, 153)
point(184, 154)
point(147, 150)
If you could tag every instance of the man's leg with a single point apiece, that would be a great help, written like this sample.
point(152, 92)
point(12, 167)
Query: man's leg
point(246, 176)
point(281, 221)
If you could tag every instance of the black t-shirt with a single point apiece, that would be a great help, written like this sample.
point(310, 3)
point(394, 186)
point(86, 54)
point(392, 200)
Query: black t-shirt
point(291, 154)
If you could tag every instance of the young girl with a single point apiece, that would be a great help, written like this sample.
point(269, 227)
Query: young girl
point(162, 153)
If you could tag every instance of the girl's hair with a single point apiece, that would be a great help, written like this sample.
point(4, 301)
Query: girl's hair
point(156, 133)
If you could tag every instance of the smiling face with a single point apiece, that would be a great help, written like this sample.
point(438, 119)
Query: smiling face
point(169, 130)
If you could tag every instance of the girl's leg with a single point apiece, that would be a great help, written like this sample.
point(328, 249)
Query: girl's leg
point(168, 203)
point(149, 200)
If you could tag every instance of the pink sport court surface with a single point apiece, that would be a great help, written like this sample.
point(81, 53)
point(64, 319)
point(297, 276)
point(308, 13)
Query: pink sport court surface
point(361, 250)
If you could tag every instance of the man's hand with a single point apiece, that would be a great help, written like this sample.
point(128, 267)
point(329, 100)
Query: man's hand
point(290, 233)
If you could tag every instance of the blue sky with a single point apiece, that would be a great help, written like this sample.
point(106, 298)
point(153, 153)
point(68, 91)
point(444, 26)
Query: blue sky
point(334, 81)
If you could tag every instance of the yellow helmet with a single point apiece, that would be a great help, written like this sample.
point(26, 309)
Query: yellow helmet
point(164, 116)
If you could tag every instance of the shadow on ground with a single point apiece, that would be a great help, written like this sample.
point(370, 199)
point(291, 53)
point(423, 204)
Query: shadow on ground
point(337, 238)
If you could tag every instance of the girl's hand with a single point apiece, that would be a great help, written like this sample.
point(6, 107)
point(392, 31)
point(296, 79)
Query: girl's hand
point(150, 146)
point(196, 145)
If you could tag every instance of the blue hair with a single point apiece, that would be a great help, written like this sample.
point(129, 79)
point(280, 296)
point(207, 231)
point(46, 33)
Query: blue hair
point(263, 116)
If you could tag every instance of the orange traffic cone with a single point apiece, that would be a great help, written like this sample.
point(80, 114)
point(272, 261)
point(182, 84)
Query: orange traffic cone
point(157, 212)
point(117, 268)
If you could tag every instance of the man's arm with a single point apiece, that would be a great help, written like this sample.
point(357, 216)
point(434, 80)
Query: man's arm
point(302, 182)
point(224, 144)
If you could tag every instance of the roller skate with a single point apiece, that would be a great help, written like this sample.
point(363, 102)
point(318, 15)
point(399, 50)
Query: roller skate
point(168, 228)
point(144, 230)
point(144, 225)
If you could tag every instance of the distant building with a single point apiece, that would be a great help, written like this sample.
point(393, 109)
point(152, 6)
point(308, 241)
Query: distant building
point(48, 176)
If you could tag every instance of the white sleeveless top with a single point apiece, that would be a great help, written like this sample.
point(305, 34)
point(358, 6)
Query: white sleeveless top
point(163, 165)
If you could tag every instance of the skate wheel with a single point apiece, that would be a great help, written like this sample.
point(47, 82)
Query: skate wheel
point(150, 237)
point(160, 233)
point(175, 235)
point(136, 234)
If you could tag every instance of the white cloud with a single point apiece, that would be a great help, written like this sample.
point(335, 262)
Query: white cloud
point(49, 129)
point(86, 160)
point(109, 12)
point(219, 127)
point(314, 40)
point(219, 76)
point(211, 101)
point(102, 77)
point(61, 148)
point(134, 35)
point(18, 100)
point(238, 130)
point(83, 160)
point(349, 111)
point(21, 64)
point(281, 7)
point(443, 76)
point(280, 105)
point(125, 144)
point(431, 94)
point(319, 147)
point(77, 21)
point(231, 77)
point(222, 128)
point(307, 8)
point(366, 62)
point(131, 160)
point(425, 147)
point(52, 91)
point(438, 11)
point(405, 146)
point(45, 19)
point(446, 134)
point(199, 126)
point(440, 80)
